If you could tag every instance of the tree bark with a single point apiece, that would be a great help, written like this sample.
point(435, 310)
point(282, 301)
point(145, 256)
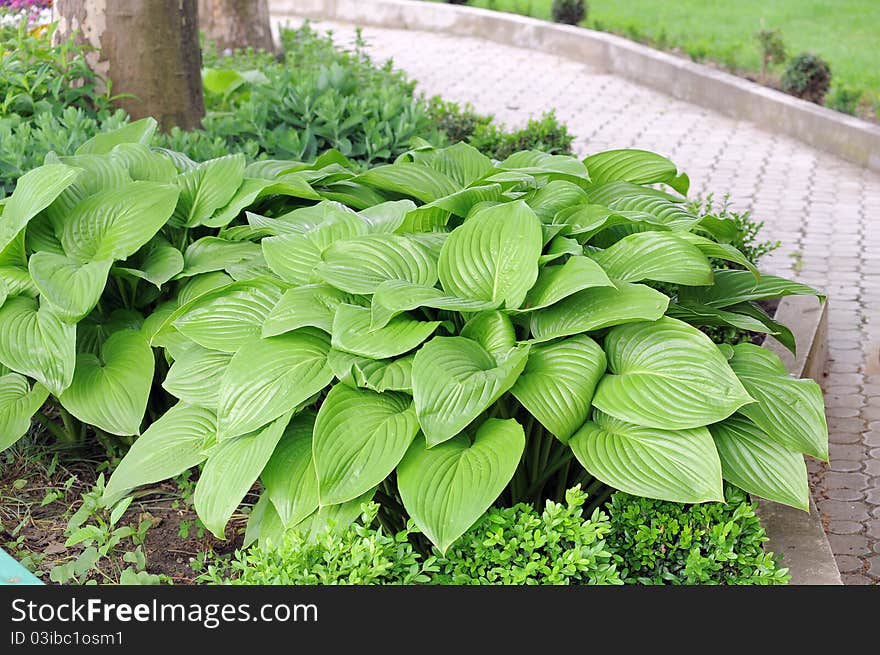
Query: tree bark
point(234, 24)
point(148, 49)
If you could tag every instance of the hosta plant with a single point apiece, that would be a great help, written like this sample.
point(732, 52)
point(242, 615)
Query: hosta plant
point(438, 334)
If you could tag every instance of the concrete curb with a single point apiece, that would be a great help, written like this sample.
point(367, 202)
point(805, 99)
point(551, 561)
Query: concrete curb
point(800, 537)
point(845, 136)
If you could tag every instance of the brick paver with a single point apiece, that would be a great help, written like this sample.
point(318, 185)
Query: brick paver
point(819, 206)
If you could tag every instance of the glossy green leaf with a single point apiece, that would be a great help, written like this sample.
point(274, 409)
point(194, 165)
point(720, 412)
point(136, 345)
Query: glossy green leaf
point(597, 308)
point(352, 333)
point(789, 411)
point(312, 305)
point(207, 188)
point(558, 382)
point(159, 262)
point(360, 436)
point(377, 374)
point(36, 342)
point(18, 402)
point(112, 392)
point(493, 256)
point(447, 488)
point(73, 289)
point(195, 377)
point(396, 296)
point(635, 166)
point(563, 280)
point(289, 475)
point(410, 179)
point(759, 465)
point(269, 377)
point(723, 251)
point(667, 374)
point(494, 331)
point(659, 256)
point(140, 131)
point(733, 287)
point(214, 254)
point(681, 466)
point(170, 446)
point(455, 379)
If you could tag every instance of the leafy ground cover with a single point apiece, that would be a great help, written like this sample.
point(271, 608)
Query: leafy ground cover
point(843, 33)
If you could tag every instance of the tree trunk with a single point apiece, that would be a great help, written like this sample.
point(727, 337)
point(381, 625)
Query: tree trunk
point(234, 24)
point(148, 49)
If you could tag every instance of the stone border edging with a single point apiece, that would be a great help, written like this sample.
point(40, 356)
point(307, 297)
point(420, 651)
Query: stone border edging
point(798, 536)
point(845, 136)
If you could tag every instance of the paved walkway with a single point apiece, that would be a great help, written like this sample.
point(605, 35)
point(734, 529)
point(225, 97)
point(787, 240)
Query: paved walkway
point(820, 207)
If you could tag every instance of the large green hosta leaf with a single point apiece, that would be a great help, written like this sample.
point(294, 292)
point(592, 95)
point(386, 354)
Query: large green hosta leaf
point(207, 188)
point(112, 392)
point(157, 263)
point(396, 296)
point(660, 256)
point(195, 377)
point(597, 308)
point(789, 411)
point(494, 331)
point(415, 180)
point(352, 333)
point(174, 443)
point(18, 402)
point(447, 488)
point(376, 374)
point(140, 131)
point(360, 436)
point(214, 254)
point(455, 379)
point(680, 466)
point(667, 374)
point(34, 191)
point(558, 382)
point(460, 162)
point(360, 265)
point(72, 288)
point(313, 305)
point(228, 317)
point(494, 255)
point(289, 476)
point(232, 468)
point(760, 465)
point(557, 282)
point(636, 167)
point(114, 223)
point(36, 342)
point(733, 287)
point(269, 377)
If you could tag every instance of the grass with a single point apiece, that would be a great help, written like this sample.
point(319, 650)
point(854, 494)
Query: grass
point(844, 32)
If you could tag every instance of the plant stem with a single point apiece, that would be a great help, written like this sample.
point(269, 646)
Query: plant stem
point(69, 425)
point(53, 427)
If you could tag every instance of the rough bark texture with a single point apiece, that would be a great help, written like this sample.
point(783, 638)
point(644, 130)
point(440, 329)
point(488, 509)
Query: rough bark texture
point(233, 24)
point(149, 49)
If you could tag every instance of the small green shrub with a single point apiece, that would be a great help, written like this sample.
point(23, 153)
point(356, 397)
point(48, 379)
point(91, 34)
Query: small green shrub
point(772, 48)
point(517, 545)
point(570, 12)
point(807, 76)
point(658, 542)
point(844, 99)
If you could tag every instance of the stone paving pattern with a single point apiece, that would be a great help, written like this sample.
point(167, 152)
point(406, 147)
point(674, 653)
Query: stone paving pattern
point(819, 206)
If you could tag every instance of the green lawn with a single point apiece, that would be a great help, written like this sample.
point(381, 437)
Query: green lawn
point(845, 32)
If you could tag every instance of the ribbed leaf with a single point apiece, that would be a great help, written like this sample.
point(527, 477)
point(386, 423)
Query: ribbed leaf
point(660, 256)
point(743, 317)
point(73, 289)
point(789, 411)
point(550, 167)
point(269, 377)
point(207, 188)
point(492, 330)
point(352, 333)
point(559, 247)
point(34, 191)
point(553, 197)
point(557, 282)
point(112, 392)
point(195, 377)
point(157, 263)
point(135, 132)
point(723, 251)
point(232, 468)
point(558, 382)
point(18, 402)
point(759, 465)
point(36, 342)
point(410, 179)
point(18, 282)
point(680, 466)
point(447, 488)
point(214, 254)
point(494, 255)
point(360, 436)
point(143, 163)
point(396, 296)
point(668, 213)
point(335, 518)
point(115, 223)
point(289, 475)
point(312, 305)
point(170, 446)
point(377, 374)
point(733, 287)
point(360, 265)
point(386, 217)
point(635, 166)
point(455, 379)
point(227, 317)
point(597, 308)
point(460, 162)
point(668, 375)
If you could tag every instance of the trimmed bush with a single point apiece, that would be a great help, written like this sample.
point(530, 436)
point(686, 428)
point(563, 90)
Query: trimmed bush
point(570, 12)
point(807, 76)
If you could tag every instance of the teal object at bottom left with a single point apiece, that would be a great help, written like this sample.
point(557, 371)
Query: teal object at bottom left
point(11, 572)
